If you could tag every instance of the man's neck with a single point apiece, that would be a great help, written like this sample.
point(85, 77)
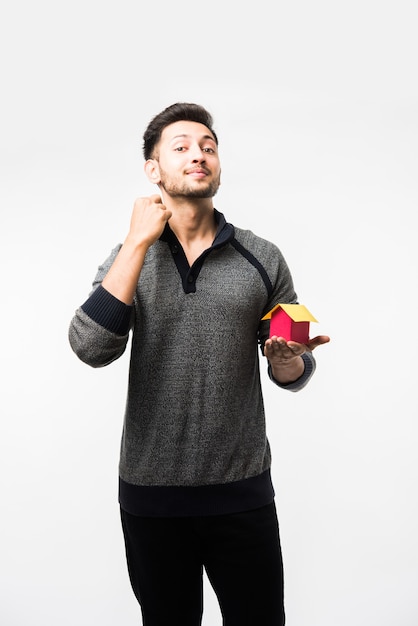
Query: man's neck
point(193, 223)
point(192, 220)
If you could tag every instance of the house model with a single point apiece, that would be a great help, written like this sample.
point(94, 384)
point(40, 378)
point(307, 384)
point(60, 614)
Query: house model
point(290, 321)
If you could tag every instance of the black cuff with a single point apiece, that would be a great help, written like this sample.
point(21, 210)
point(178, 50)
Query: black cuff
point(108, 311)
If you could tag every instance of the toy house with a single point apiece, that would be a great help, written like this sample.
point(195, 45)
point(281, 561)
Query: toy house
point(290, 321)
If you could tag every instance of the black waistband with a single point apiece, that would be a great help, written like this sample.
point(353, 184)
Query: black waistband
point(241, 495)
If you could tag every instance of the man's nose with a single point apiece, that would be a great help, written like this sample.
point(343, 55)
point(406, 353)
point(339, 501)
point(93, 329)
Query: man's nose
point(198, 155)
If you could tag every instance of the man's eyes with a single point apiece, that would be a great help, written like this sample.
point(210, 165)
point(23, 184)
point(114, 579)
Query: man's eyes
point(208, 150)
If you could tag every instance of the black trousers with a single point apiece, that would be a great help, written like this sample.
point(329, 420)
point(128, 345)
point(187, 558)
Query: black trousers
point(240, 553)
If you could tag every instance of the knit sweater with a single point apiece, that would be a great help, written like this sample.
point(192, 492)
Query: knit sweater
point(194, 436)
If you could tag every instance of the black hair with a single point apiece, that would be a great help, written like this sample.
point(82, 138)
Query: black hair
point(181, 111)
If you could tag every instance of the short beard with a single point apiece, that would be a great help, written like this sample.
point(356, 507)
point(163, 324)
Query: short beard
point(184, 191)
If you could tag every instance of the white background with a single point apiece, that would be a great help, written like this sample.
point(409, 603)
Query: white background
point(315, 105)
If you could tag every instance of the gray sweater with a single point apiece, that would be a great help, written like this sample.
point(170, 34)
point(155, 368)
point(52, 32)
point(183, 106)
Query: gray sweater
point(194, 437)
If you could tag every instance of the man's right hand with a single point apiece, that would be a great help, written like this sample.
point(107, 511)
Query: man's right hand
point(149, 217)
point(148, 221)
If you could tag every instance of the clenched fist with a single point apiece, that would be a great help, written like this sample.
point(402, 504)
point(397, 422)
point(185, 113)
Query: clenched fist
point(149, 217)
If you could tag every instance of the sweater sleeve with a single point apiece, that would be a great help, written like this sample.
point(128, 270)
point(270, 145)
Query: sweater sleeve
point(303, 380)
point(99, 330)
point(283, 291)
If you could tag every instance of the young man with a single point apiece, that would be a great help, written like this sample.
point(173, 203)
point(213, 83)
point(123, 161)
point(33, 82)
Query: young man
point(195, 487)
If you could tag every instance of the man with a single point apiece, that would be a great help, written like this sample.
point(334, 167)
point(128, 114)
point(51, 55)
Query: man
point(195, 489)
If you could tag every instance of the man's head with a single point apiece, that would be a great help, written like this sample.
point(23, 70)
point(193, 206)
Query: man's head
point(181, 152)
point(181, 111)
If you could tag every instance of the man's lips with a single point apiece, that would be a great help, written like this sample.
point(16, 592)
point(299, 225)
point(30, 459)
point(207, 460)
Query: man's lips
point(197, 172)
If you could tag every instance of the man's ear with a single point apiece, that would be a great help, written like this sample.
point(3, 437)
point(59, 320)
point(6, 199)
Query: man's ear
point(152, 170)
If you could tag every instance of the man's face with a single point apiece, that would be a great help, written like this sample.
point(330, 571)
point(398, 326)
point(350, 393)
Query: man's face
point(187, 161)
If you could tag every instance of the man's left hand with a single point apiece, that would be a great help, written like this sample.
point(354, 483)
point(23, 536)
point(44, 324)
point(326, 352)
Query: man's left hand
point(284, 356)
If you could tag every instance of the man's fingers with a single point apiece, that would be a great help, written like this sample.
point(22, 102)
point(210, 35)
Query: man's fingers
point(317, 341)
point(156, 198)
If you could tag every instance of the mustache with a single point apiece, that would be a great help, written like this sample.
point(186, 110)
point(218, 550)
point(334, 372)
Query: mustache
point(201, 168)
